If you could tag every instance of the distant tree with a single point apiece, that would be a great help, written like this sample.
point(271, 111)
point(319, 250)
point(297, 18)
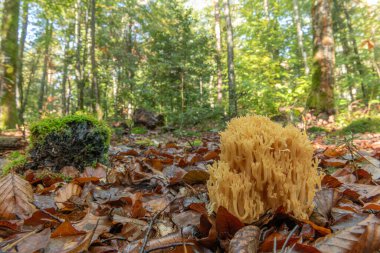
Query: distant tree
point(8, 64)
point(230, 62)
point(218, 54)
point(321, 97)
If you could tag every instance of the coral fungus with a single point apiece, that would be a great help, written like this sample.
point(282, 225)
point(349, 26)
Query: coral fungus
point(263, 166)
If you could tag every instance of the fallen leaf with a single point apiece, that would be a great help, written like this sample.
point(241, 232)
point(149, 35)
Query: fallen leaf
point(227, 224)
point(334, 162)
point(65, 193)
point(363, 237)
point(32, 242)
point(16, 197)
point(66, 229)
point(246, 240)
point(196, 176)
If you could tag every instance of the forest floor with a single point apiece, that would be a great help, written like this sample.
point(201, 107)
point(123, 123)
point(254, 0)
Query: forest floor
point(152, 197)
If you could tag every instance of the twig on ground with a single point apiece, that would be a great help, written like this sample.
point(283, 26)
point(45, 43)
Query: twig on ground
point(150, 226)
point(171, 246)
point(288, 238)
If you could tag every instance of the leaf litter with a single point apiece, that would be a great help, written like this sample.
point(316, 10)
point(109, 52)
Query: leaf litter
point(153, 198)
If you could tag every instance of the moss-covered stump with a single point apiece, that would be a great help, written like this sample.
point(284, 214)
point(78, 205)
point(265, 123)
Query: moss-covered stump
point(75, 140)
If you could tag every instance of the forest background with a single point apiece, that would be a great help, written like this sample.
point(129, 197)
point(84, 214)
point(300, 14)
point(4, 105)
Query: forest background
point(195, 62)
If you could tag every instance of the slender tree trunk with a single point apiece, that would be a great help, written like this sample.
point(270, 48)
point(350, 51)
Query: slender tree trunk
point(321, 97)
point(28, 86)
point(218, 55)
point(44, 78)
point(358, 63)
point(230, 62)
point(20, 77)
point(78, 66)
point(297, 21)
point(8, 64)
point(338, 27)
point(64, 77)
point(266, 9)
point(94, 80)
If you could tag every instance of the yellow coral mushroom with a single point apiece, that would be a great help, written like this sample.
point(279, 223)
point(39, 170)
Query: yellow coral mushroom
point(263, 166)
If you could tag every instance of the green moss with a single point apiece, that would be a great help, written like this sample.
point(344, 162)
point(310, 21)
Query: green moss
point(75, 140)
point(196, 143)
point(16, 159)
point(316, 130)
point(145, 142)
point(40, 129)
point(363, 125)
point(139, 130)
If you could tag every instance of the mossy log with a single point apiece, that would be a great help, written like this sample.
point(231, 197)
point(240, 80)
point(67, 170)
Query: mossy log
point(74, 140)
point(11, 143)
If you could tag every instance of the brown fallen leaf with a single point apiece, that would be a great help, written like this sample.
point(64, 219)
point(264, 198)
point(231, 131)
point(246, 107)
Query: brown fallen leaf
point(90, 222)
point(65, 193)
point(246, 240)
point(66, 229)
point(334, 162)
point(28, 242)
point(364, 237)
point(196, 176)
point(16, 197)
point(227, 224)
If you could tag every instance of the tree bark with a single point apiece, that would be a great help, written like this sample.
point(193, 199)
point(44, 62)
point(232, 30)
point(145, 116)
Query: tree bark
point(78, 66)
point(218, 46)
point(338, 27)
point(95, 85)
point(297, 21)
point(64, 76)
point(20, 76)
point(43, 86)
point(8, 64)
point(358, 63)
point(230, 62)
point(321, 97)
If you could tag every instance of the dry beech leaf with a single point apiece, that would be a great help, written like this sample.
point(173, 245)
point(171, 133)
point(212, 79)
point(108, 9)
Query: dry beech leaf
point(90, 222)
point(66, 229)
point(324, 201)
point(363, 237)
point(196, 176)
point(334, 162)
point(227, 224)
point(65, 193)
point(246, 240)
point(31, 242)
point(16, 196)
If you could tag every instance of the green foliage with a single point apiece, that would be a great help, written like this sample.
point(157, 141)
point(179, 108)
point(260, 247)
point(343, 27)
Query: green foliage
point(363, 125)
point(139, 130)
point(16, 160)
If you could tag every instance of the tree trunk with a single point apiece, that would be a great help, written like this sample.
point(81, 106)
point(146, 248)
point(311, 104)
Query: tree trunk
point(78, 66)
point(95, 85)
point(338, 27)
point(321, 97)
point(266, 9)
point(218, 45)
point(230, 62)
point(20, 77)
point(8, 64)
point(27, 90)
point(64, 77)
point(43, 85)
point(297, 21)
point(358, 63)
